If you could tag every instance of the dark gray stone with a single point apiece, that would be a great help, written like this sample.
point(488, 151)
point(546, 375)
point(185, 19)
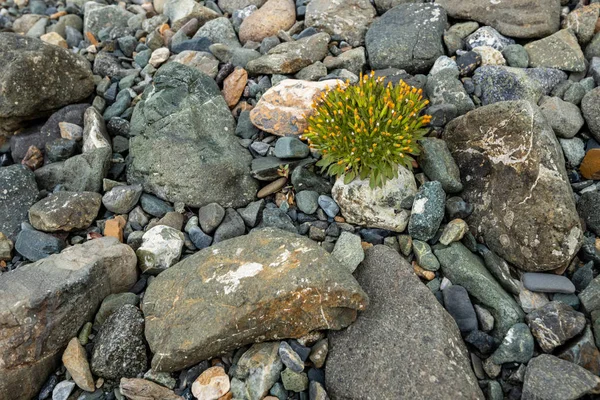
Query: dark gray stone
point(550, 378)
point(232, 226)
point(210, 216)
point(200, 239)
point(35, 245)
point(400, 307)
point(547, 283)
point(122, 199)
point(304, 179)
point(120, 349)
point(65, 78)
point(554, 324)
point(155, 206)
point(409, 37)
point(291, 147)
point(19, 192)
point(458, 304)
point(277, 218)
point(184, 121)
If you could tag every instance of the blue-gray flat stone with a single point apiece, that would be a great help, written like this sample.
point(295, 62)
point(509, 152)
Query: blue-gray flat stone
point(547, 283)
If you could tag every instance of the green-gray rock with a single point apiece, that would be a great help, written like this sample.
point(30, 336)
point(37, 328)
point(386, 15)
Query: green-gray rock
point(438, 164)
point(112, 302)
point(65, 211)
point(256, 371)
point(184, 148)
point(466, 269)
point(37, 78)
point(245, 290)
point(427, 211)
point(559, 50)
point(294, 381)
point(424, 256)
point(517, 346)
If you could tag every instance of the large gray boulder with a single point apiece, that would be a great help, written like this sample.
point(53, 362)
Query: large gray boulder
point(513, 173)
point(267, 285)
point(409, 37)
point(184, 146)
point(44, 304)
point(19, 191)
point(516, 18)
point(405, 344)
point(37, 78)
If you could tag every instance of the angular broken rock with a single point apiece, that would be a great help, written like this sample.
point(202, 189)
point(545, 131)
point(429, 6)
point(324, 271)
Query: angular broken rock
point(36, 325)
point(183, 116)
point(513, 173)
point(269, 284)
point(141, 389)
point(283, 109)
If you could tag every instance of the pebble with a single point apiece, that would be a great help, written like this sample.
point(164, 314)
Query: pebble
point(232, 226)
point(530, 301)
point(154, 206)
point(252, 212)
point(590, 165)
point(6, 247)
point(75, 361)
point(211, 384)
point(517, 346)
point(35, 245)
point(554, 324)
point(159, 56)
point(547, 283)
point(574, 150)
point(485, 318)
point(112, 303)
point(459, 306)
point(63, 390)
point(291, 147)
point(583, 276)
point(200, 239)
point(427, 211)
point(142, 389)
point(233, 86)
point(307, 201)
point(294, 381)
point(348, 250)
point(210, 217)
point(161, 247)
point(319, 351)
point(482, 341)
point(122, 199)
point(272, 187)
point(114, 227)
point(425, 257)
point(328, 205)
point(290, 358)
point(454, 231)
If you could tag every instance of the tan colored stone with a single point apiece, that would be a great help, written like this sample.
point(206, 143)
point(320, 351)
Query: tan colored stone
point(25, 22)
point(229, 396)
point(70, 131)
point(114, 227)
point(284, 108)
point(271, 188)
point(273, 16)
point(211, 384)
point(233, 86)
point(159, 56)
point(422, 273)
point(75, 360)
point(489, 55)
point(590, 166)
point(200, 60)
point(55, 39)
point(141, 389)
point(454, 231)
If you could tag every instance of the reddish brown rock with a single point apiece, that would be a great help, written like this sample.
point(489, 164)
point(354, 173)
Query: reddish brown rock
point(36, 325)
point(269, 284)
point(233, 86)
point(33, 159)
point(141, 389)
point(590, 166)
point(272, 17)
point(283, 109)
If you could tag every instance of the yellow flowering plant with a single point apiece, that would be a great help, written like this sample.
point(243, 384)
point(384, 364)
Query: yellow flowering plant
point(366, 130)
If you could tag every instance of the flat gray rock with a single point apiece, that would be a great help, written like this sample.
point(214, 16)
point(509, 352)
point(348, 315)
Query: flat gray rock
point(547, 283)
point(405, 344)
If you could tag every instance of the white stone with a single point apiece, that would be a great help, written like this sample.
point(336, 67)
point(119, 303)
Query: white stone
point(378, 207)
point(161, 248)
point(95, 135)
point(490, 56)
point(159, 56)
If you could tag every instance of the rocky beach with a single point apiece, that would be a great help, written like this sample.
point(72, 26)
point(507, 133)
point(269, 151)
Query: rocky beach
point(299, 200)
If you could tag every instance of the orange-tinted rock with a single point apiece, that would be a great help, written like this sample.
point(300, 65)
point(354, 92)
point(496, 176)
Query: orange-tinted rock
point(233, 86)
point(114, 227)
point(269, 284)
point(34, 158)
point(272, 17)
point(590, 166)
point(211, 384)
point(75, 360)
point(141, 389)
point(282, 109)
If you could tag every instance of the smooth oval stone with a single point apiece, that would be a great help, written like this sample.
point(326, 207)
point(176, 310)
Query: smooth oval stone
point(547, 283)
